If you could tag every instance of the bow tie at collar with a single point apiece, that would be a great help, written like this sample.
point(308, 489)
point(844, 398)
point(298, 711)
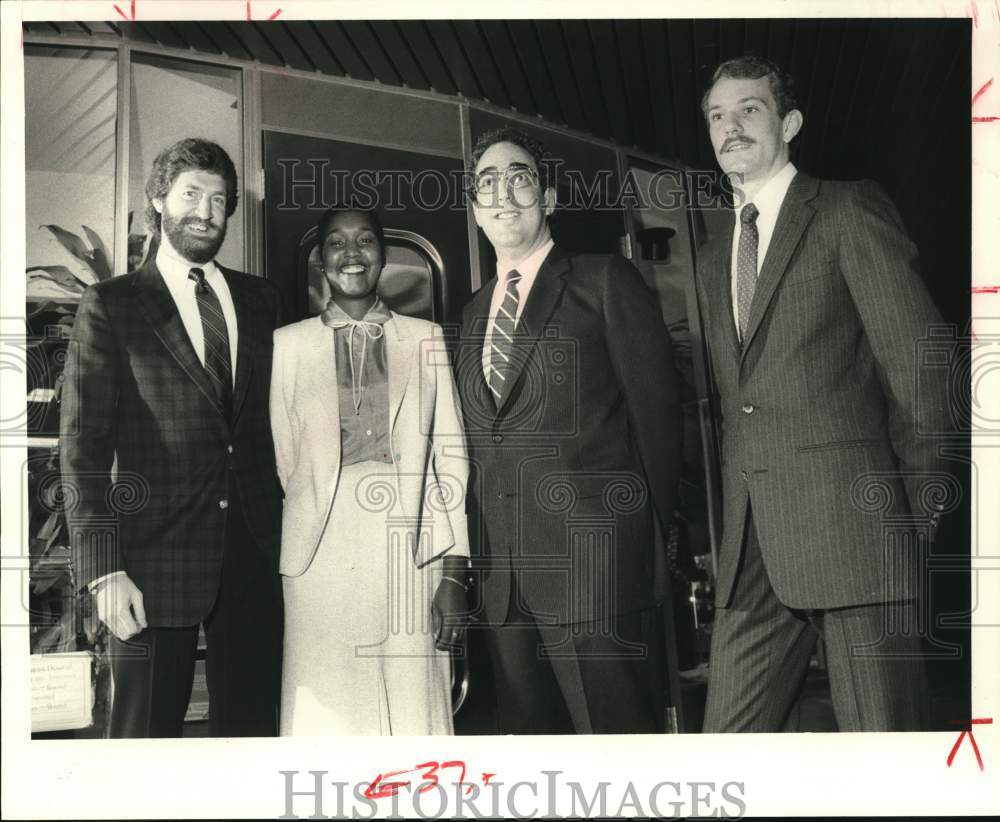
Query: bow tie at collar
point(371, 328)
point(371, 324)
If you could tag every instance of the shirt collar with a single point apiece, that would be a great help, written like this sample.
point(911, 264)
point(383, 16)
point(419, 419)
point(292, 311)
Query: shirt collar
point(174, 268)
point(528, 267)
point(376, 315)
point(771, 195)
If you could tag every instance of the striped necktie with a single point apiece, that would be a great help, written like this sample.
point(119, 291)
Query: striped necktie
point(746, 264)
point(213, 323)
point(502, 337)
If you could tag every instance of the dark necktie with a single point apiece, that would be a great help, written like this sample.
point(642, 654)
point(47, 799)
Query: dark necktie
point(746, 264)
point(213, 322)
point(502, 337)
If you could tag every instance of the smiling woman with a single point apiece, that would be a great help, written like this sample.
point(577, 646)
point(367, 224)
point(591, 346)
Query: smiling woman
point(351, 246)
point(368, 553)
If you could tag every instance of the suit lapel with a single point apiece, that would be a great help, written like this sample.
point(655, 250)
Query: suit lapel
point(399, 360)
point(470, 355)
point(718, 274)
point(542, 299)
point(320, 372)
point(158, 307)
point(793, 218)
point(247, 341)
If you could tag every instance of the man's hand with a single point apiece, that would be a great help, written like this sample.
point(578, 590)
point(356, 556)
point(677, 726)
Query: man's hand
point(449, 613)
point(119, 605)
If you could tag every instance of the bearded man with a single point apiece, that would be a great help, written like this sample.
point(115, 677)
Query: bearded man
point(173, 500)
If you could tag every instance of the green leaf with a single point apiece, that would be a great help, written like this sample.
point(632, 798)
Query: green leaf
point(50, 527)
point(43, 583)
point(47, 641)
point(57, 274)
point(99, 255)
point(55, 307)
point(70, 241)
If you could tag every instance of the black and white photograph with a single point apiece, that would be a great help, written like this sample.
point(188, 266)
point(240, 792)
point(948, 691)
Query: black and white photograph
point(485, 383)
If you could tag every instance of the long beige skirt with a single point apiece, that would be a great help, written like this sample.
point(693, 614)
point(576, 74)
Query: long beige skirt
point(359, 656)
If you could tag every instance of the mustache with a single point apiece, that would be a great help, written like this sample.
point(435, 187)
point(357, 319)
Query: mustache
point(732, 141)
point(199, 222)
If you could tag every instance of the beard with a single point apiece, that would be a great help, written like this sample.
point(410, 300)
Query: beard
point(198, 248)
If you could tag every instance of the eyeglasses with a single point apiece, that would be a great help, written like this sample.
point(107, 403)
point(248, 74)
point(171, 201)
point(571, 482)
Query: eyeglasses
point(514, 177)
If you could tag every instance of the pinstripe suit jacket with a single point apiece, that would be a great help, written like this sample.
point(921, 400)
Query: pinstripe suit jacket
point(822, 405)
point(583, 449)
point(135, 391)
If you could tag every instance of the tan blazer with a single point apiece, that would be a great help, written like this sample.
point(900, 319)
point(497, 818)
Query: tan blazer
point(426, 483)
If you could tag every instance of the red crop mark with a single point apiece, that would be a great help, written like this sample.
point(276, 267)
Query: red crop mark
point(131, 15)
point(974, 14)
point(272, 17)
point(985, 289)
point(975, 99)
point(982, 91)
point(972, 739)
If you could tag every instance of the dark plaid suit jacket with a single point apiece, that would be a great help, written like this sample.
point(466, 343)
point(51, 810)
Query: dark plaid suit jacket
point(136, 392)
point(828, 421)
point(583, 450)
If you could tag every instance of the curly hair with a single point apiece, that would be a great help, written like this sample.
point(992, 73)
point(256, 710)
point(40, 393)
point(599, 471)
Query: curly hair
point(192, 153)
point(749, 67)
point(509, 134)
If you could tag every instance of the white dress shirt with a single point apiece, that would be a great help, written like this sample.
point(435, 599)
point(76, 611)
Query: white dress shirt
point(768, 201)
point(528, 269)
point(174, 269)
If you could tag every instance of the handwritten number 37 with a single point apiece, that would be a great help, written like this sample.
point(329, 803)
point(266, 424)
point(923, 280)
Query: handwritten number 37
point(380, 788)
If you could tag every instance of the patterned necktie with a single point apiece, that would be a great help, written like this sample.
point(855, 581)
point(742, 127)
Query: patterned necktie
point(502, 338)
point(746, 264)
point(213, 323)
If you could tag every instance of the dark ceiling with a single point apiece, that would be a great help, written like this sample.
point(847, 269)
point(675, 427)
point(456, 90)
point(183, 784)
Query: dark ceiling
point(886, 99)
point(637, 82)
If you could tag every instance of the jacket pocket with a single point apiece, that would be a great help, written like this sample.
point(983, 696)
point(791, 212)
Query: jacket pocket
point(813, 278)
point(836, 445)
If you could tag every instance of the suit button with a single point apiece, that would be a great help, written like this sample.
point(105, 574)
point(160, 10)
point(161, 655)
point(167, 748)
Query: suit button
point(745, 476)
point(223, 504)
point(498, 438)
point(229, 449)
point(748, 409)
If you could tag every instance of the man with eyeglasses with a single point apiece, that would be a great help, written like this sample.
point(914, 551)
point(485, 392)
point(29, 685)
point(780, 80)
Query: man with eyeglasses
point(572, 414)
